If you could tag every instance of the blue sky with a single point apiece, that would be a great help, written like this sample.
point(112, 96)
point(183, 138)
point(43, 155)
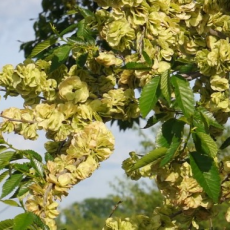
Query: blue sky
point(15, 25)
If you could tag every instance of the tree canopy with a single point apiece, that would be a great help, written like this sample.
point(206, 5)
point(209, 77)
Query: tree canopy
point(84, 70)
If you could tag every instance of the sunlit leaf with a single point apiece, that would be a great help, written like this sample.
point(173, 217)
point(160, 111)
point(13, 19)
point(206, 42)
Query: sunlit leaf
point(147, 59)
point(149, 96)
point(4, 175)
point(10, 202)
point(6, 224)
point(149, 158)
point(206, 173)
point(184, 95)
point(38, 166)
point(205, 144)
point(31, 153)
point(43, 45)
point(23, 221)
point(11, 183)
point(165, 87)
point(69, 29)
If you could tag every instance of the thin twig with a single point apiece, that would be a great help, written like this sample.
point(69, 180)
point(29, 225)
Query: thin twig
point(115, 208)
point(175, 214)
point(17, 120)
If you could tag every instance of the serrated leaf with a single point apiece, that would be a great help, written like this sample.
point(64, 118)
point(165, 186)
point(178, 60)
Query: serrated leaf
point(165, 89)
point(37, 220)
point(76, 41)
point(82, 60)
point(11, 183)
point(154, 120)
point(149, 158)
point(136, 66)
point(42, 46)
point(10, 202)
point(210, 119)
point(31, 153)
point(6, 224)
point(59, 57)
point(170, 129)
point(205, 144)
point(172, 150)
point(147, 59)
point(86, 13)
point(23, 189)
point(4, 175)
point(24, 167)
point(38, 166)
point(68, 29)
point(84, 32)
point(6, 156)
point(184, 95)
point(199, 123)
point(206, 173)
point(149, 96)
point(23, 221)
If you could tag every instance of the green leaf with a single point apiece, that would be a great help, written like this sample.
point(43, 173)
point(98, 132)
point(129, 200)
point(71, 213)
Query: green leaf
point(38, 166)
point(23, 221)
point(165, 88)
point(37, 220)
point(82, 60)
point(6, 156)
point(184, 95)
point(149, 158)
point(84, 32)
point(10, 202)
point(11, 183)
point(4, 175)
point(205, 144)
point(170, 129)
point(68, 29)
point(24, 188)
point(172, 150)
point(186, 68)
point(48, 157)
point(154, 120)
point(149, 96)
point(210, 119)
point(3, 148)
point(199, 123)
point(59, 56)
point(85, 12)
point(2, 141)
point(6, 224)
point(25, 167)
point(136, 66)
point(31, 154)
point(147, 59)
point(206, 173)
point(42, 46)
point(225, 144)
point(76, 41)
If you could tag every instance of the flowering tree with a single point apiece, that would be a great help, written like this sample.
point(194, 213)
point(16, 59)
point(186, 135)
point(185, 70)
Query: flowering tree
point(157, 46)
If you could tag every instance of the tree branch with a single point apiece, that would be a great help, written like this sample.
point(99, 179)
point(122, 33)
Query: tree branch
point(17, 120)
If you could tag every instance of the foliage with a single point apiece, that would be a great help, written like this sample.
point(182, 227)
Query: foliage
point(91, 213)
point(155, 46)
